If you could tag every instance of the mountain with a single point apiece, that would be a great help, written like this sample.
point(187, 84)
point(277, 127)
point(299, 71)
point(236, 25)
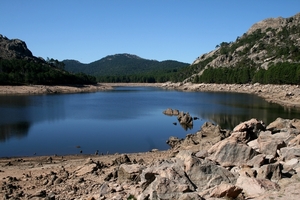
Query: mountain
point(15, 49)
point(269, 45)
point(18, 66)
point(122, 64)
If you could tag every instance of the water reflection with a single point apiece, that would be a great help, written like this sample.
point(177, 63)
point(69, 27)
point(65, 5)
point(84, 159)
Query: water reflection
point(127, 119)
point(18, 130)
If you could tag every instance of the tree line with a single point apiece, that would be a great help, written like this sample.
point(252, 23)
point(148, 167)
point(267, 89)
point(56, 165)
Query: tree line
point(24, 72)
point(279, 73)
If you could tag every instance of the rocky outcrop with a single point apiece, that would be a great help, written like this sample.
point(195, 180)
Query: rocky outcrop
point(269, 34)
point(15, 49)
point(184, 119)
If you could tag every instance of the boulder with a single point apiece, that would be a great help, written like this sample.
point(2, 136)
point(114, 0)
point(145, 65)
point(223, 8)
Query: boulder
point(252, 126)
point(185, 118)
point(121, 159)
point(279, 124)
point(253, 187)
point(165, 180)
point(206, 174)
point(257, 161)
point(229, 153)
point(295, 141)
point(270, 171)
point(269, 144)
point(208, 135)
point(288, 153)
point(171, 112)
point(225, 190)
point(174, 142)
point(129, 172)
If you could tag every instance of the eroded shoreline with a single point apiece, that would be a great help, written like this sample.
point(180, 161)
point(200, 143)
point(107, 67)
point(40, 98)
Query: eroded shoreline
point(285, 95)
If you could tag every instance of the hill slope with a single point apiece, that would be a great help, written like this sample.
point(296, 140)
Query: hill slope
point(18, 66)
point(122, 64)
point(269, 44)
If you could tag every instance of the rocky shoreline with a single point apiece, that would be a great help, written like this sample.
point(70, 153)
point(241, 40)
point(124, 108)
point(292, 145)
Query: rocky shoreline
point(252, 161)
point(285, 95)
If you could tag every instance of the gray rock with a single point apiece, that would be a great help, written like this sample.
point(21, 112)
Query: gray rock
point(279, 124)
point(269, 144)
point(230, 153)
point(288, 153)
point(270, 171)
point(129, 172)
point(257, 161)
point(253, 187)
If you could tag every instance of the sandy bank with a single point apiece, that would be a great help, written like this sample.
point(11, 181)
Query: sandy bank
point(285, 95)
point(45, 89)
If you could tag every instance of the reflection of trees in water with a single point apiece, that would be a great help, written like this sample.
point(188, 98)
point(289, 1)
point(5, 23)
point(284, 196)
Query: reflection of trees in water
point(18, 130)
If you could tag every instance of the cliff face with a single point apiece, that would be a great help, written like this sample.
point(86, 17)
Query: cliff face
point(271, 40)
point(14, 49)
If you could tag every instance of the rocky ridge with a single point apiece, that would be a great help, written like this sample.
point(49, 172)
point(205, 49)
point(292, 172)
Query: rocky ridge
point(269, 41)
point(252, 161)
point(15, 49)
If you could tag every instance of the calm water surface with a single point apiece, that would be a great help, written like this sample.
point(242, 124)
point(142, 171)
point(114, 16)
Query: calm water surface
point(124, 120)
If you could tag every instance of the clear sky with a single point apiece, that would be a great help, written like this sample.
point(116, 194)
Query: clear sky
point(88, 30)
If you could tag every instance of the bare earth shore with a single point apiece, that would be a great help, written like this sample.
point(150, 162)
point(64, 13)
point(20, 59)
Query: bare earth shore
point(285, 95)
point(31, 177)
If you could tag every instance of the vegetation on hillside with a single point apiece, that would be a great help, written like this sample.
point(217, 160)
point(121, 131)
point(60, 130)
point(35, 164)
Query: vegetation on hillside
point(269, 57)
point(120, 65)
point(24, 72)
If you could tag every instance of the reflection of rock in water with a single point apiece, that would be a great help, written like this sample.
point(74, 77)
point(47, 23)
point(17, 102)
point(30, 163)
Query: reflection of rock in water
point(184, 119)
point(186, 126)
point(18, 130)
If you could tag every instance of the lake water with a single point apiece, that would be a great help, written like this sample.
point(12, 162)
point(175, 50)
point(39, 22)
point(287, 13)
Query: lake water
point(123, 120)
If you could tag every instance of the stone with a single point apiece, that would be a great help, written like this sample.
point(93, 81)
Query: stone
point(121, 159)
point(252, 126)
point(185, 118)
point(279, 124)
point(86, 169)
point(230, 153)
point(270, 171)
point(225, 190)
point(269, 144)
point(295, 141)
point(288, 153)
point(174, 142)
point(257, 161)
point(206, 174)
point(253, 187)
point(129, 172)
point(171, 112)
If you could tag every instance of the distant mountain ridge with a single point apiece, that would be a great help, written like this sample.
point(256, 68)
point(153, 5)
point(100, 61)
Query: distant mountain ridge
point(122, 64)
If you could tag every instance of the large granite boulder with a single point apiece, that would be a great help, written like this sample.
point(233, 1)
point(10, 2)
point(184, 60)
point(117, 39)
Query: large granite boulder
point(252, 126)
point(230, 153)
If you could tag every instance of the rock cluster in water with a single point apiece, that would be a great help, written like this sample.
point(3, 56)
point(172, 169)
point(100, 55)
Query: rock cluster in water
point(253, 160)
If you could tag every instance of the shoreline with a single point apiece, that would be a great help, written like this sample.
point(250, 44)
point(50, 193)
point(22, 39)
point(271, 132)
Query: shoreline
point(284, 95)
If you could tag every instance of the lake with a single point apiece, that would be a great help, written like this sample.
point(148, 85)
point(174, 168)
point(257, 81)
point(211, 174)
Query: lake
point(123, 120)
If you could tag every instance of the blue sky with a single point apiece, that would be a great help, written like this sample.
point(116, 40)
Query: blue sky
point(88, 30)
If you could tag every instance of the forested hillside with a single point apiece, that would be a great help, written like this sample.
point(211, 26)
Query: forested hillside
point(18, 66)
point(127, 68)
